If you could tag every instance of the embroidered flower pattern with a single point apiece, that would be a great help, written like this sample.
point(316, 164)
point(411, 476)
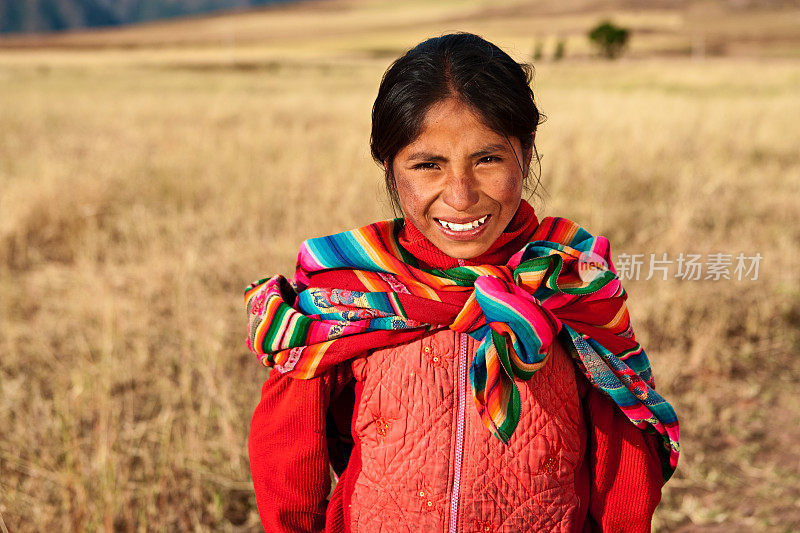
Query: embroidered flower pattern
point(549, 466)
point(394, 283)
point(350, 306)
point(483, 526)
point(437, 357)
point(291, 361)
point(259, 302)
point(382, 424)
point(427, 500)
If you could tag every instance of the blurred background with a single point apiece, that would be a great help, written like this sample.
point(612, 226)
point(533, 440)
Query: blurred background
point(152, 167)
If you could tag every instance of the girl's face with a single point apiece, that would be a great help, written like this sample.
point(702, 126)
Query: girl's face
point(459, 182)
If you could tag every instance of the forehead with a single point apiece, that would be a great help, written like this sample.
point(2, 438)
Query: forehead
point(454, 114)
point(451, 123)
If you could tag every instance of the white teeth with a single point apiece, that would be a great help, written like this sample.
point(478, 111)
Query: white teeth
point(463, 227)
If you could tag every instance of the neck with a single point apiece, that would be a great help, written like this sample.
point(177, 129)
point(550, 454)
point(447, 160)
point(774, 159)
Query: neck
point(513, 238)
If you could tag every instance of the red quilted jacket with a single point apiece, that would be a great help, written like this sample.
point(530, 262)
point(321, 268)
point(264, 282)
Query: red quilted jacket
point(600, 474)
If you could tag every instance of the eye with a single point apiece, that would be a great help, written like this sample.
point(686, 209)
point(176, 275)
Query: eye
point(489, 159)
point(425, 166)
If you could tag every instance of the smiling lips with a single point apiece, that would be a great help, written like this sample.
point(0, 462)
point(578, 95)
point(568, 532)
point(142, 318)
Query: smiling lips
point(467, 226)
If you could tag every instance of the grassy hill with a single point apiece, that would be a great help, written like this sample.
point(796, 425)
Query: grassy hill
point(148, 173)
point(42, 16)
point(382, 27)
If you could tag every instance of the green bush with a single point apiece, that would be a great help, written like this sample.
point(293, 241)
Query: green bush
point(609, 39)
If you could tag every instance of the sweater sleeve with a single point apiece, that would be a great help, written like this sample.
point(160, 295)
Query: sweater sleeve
point(288, 449)
point(625, 468)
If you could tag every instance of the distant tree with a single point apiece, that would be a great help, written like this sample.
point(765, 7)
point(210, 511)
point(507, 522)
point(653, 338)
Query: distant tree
point(609, 39)
point(561, 49)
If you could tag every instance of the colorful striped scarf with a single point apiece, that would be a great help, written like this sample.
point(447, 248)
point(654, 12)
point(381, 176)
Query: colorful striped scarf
point(360, 290)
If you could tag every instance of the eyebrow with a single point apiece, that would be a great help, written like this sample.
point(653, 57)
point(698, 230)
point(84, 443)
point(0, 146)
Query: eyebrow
point(429, 156)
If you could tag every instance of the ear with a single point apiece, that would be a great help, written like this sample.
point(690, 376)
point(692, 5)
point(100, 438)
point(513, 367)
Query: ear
point(529, 152)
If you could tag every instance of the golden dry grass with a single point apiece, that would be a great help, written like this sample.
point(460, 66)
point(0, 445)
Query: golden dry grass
point(142, 189)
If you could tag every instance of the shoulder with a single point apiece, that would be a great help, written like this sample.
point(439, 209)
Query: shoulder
point(346, 248)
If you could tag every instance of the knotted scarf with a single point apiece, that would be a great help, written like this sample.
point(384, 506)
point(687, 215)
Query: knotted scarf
point(360, 290)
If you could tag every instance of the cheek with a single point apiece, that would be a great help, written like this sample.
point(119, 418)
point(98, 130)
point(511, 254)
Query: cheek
point(507, 189)
point(414, 196)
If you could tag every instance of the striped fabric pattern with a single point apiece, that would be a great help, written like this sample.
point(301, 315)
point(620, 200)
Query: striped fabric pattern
point(360, 290)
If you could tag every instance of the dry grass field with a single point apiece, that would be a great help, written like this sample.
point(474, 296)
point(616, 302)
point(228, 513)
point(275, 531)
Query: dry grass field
point(147, 174)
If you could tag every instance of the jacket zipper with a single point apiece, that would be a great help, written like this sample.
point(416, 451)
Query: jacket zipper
point(462, 404)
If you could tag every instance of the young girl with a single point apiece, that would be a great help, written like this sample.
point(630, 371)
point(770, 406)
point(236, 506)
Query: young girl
point(467, 367)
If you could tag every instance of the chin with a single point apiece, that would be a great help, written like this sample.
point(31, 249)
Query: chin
point(463, 250)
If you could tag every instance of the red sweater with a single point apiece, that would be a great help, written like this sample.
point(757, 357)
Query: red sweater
point(300, 418)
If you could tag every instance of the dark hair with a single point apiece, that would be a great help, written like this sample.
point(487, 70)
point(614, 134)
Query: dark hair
point(456, 65)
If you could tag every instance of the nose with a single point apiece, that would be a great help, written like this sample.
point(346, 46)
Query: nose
point(461, 190)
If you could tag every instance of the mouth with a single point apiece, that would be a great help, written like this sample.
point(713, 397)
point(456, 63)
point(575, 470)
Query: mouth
point(463, 227)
